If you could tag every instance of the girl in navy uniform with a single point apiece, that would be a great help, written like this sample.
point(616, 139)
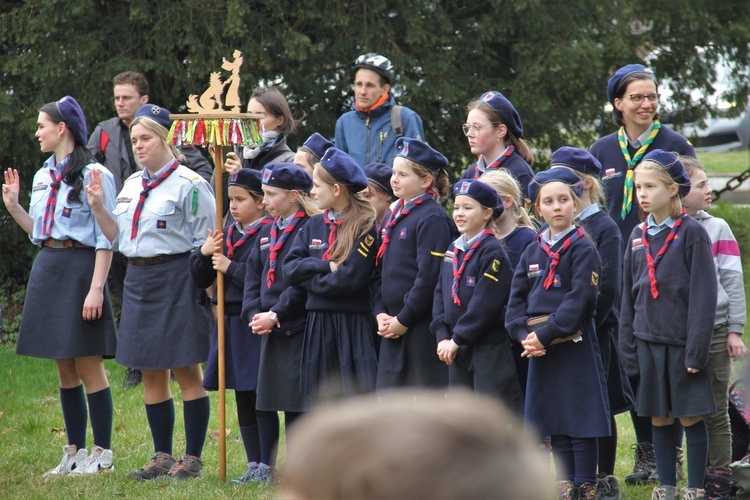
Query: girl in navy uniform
point(414, 240)
point(605, 234)
point(163, 213)
point(67, 315)
point(379, 191)
point(667, 319)
point(241, 347)
point(633, 92)
point(551, 313)
point(470, 299)
point(311, 152)
point(494, 130)
point(275, 311)
point(332, 259)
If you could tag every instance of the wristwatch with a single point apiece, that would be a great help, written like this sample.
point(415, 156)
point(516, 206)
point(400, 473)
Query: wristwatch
point(272, 316)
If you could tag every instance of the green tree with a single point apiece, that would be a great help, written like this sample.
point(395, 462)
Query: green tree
point(551, 58)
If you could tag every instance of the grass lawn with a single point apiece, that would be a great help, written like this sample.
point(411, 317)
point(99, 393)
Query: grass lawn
point(732, 162)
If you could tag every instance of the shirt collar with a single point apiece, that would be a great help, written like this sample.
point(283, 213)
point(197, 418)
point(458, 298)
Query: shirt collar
point(334, 216)
point(588, 212)
point(640, 140)
point(650, 223)
point(156, 175)
point(283, 222)
point(462, 243)
point(552, 240)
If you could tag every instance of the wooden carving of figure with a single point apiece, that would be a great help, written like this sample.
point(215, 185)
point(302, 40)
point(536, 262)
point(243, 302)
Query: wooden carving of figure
point(232, 98)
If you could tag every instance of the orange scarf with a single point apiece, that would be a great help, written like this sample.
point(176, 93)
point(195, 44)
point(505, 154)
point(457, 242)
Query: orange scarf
point(378, 103)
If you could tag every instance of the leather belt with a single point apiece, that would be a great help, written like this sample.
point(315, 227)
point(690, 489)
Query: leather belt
point(152, 261)
point(53, 243)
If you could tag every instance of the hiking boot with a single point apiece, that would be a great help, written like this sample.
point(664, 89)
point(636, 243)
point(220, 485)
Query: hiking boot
point(248, 475)
point(679, 474)
point(692, 493)
point(718, 484)
point(263, 473)
point(645, 464)
point(665, 493)
point(160, 465)
point(187, 467)
point(608, 488)
point(133, 377)
point(100, 460)
point(567, 490)
point(587, 491)
point(70, 460)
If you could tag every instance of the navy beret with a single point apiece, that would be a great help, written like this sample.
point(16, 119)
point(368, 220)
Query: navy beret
point(73, 117)
point(614, 83)
point(380, 174)
point(287, 176)
point(317, 145)
point(504, 110)
point(674, 167)
point(157, 113)
point(344, 169)
point(485, 194)
point(419, 152)
point(248, 179)
point(577, 159)
point(564, 175)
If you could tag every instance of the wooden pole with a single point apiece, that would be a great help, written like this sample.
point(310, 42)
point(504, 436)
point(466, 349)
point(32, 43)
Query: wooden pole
point(219, 191)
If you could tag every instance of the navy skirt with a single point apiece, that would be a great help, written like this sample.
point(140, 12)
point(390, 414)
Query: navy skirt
point(52, 325)
point(411, 360)
point(667, 387)
point(166, 320)
point(279, 386)
point(338, 355)
point(241, 358)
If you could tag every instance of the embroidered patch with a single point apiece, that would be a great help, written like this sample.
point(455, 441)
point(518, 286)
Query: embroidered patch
point(161, 224)
point(533, 267)
point(557, 282)
point(363, 249)
point(404, 148)
point(611, 173)
point(124, 200)
point(533, 271)
point(448, 256)
point(464, 187)
point(233, 177)
point(369, 240)
point(471, 281)
point(495, 265)
point(316, 244)
point(402, 234)
point(676, 240)
point(637, 244)
point(66, 212)
point(264, 240)
point(266, 175)
point(39, 187)
point(594, 279)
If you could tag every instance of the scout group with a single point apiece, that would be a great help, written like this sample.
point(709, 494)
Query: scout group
point(598, 286)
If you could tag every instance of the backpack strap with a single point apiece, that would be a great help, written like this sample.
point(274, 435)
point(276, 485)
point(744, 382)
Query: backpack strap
point(396, 124)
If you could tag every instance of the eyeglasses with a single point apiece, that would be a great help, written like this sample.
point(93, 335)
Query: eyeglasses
point(638, 98)
point(475, 129)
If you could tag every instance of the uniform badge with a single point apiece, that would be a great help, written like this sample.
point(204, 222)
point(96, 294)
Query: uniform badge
point(448, 256)
point(369, 240)
point(594, 279)
point(404, 148)
point(66, 212)
point(676, 240)
point(266, 175)
point(39, 187)
point(161, 224)
point(471, 281)
point(402, 234)
point(557, 282)
point(495, 265)
point(636, 244)
point(464, 187)
point(316, 244)
point(533, 271)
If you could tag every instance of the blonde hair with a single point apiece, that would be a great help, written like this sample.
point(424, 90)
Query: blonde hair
point(522, 148)
point(154, 127)
point(307, 204)
point(661, 174)
point(440, 181)
point(343, 450)
point(596, 193)
point(506, 185)
point(359, 219)
point(692, 165)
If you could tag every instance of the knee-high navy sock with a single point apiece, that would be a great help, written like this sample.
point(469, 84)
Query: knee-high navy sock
point(608, 451)
point(268, 434)
point(196, 414)
point(101, 411)
point(248, 425)
point(697, 453)
point(161, 421)
point(666, 454)
point(73, 403)
point(585, 451)
point(562, 452)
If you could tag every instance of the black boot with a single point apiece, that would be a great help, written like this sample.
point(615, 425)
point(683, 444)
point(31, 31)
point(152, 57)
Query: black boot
point(645, 464)
point(133, 377)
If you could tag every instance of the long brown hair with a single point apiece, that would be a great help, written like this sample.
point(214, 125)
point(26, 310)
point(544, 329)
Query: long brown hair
point(522, 148)
point(358, 220)
point(440, 181)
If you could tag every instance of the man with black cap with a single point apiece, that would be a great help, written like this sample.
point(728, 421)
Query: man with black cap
point(369, 131)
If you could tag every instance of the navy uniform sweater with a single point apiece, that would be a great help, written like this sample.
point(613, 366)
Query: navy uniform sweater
point(605, 234)
point(483, 291)
point(515, 164)
point(203, 273)
point(607, 151)
point(516, 242)
point(347, 289)
point(683, 313)
point(406, 278)
point(288, 302)
point(569, 302)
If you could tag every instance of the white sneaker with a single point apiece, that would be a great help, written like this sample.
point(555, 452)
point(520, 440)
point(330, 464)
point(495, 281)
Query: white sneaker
point(71, 457)
point(100, 460)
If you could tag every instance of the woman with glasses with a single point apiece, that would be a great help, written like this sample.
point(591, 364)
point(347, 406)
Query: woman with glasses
point(494, 130)
point(633, 92)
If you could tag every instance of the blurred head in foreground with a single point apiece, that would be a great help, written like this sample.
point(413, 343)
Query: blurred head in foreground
point(465, 446)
